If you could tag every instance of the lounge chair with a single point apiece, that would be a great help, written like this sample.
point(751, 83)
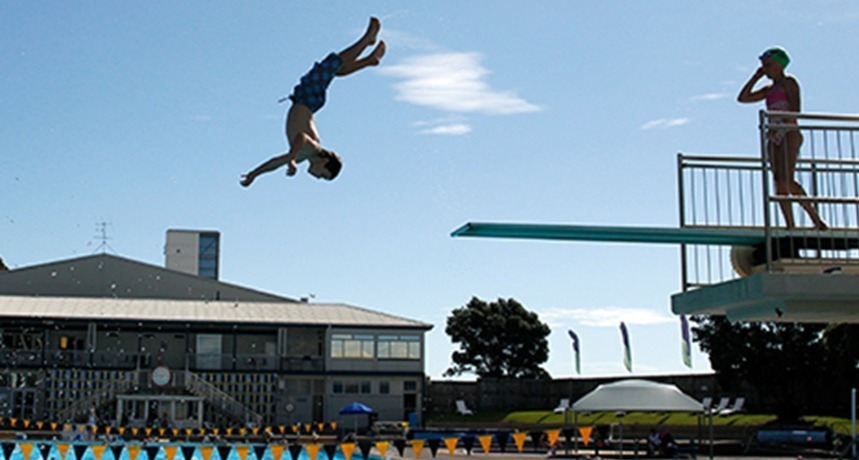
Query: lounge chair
point(563, 406)
point(462, 409)
point(723, 404)
point(707, 402)
point(737, 407)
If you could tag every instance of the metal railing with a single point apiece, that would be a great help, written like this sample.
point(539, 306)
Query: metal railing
point(95, 399)
point(736, 191)
point(219, 399)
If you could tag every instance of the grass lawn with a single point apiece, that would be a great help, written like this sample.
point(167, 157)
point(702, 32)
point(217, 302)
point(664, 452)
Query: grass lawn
point(547, 418)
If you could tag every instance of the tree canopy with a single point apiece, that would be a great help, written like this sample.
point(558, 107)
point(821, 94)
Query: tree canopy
point(792, 365)
point(498, 339)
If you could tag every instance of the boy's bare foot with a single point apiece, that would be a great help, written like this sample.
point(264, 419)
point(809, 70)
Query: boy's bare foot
point(247, 180)
point(376, 56)
point(373, 30)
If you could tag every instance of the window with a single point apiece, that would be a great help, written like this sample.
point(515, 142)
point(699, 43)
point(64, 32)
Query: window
point(207, 262)
point(410, 386)
point(209, 351)
point(399, 347)
point(385, 388)
point(355, 346)
point(352, 388)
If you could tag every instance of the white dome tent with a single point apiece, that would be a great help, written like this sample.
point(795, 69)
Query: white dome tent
point(638, 395)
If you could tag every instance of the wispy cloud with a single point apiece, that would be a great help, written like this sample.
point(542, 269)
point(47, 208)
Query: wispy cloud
point(664, 123)
point(708, 97)
point(605, 317)
point(448, 126)
point(456, 129)
point(453, 82)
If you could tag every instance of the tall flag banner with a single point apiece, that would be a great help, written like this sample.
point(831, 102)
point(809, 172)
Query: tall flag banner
point(576, 351)
point(686, 345)
point(627, 352)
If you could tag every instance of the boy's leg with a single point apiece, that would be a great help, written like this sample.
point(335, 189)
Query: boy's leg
point(373, 59)
point(350, 55)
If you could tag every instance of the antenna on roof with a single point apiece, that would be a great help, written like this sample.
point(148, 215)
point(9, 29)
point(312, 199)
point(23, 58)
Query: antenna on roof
point(101, 228)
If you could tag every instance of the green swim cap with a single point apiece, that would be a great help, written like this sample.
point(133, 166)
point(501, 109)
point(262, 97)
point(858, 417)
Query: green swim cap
point(778, 54)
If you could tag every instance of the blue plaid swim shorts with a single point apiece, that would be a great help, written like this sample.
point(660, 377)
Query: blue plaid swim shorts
point(311, 89)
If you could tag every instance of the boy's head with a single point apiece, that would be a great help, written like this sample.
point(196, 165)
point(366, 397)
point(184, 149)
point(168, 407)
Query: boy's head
point(326, 165)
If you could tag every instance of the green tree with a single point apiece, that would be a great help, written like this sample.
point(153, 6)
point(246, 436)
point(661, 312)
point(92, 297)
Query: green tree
point(498, 339)
point(792, 366)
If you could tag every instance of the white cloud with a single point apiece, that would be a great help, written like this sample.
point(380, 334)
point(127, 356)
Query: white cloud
point(455, 129)
point(663, 123)
point(709, 97)
point(453, 82)
point(606, 317)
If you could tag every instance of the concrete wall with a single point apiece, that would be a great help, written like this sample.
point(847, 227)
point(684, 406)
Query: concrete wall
point(507, 395)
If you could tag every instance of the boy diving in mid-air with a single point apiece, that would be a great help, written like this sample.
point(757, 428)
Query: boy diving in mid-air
point(307, 98)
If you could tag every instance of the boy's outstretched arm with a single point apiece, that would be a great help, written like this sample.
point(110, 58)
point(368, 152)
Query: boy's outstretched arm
point(289, 159)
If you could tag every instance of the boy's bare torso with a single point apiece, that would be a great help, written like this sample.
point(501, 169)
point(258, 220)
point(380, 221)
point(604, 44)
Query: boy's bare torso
point(300, 120)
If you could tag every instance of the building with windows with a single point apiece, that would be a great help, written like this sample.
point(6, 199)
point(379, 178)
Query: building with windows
point(143, 344)
point(193, 251)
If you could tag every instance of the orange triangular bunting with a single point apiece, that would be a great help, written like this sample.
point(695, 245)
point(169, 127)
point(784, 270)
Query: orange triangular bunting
point(133, 451)
point(97, 450)
point(63, 447)
point(312, 450)
point(206, 452)
point(26, 448)
point(585, 431)
point(552, 435)
point(170, 452)
point(450, 443)
point(382, 446)
point(276, 451)
point(348, 448)
point(485, 443)
point(242, 452)
point(417, 447)
point(519, 439)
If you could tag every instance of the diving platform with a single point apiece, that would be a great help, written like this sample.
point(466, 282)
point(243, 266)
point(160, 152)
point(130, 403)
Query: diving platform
point(779, 297)
point(737, 256)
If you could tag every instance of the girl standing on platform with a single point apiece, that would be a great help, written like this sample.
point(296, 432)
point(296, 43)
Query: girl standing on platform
point(782, 95)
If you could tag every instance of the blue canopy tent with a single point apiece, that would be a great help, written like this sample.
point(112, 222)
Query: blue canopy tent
point(356, 409)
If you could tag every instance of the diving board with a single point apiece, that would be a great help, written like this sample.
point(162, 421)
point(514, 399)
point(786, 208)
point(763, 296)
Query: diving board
point(719, 236)
point(727, 236)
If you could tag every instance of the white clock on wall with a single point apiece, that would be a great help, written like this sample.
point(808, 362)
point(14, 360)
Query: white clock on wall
point(161, 376)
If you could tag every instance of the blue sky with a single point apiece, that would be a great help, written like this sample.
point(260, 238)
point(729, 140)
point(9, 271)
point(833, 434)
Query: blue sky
point(144, 115)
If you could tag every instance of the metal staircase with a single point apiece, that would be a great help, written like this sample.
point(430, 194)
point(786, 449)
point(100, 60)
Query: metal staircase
point(96, 399)
point(219, 399)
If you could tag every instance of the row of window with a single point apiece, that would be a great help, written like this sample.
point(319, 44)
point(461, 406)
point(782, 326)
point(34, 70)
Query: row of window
point(365, 387)
point(369, 346)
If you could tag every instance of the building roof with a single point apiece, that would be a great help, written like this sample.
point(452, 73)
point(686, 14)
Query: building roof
point(199, 311)
point(106, 275)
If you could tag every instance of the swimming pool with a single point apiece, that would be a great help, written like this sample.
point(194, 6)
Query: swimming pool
point(56, 450)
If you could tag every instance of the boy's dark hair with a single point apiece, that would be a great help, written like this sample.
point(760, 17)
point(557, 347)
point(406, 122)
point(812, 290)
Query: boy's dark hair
point(333, 165)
